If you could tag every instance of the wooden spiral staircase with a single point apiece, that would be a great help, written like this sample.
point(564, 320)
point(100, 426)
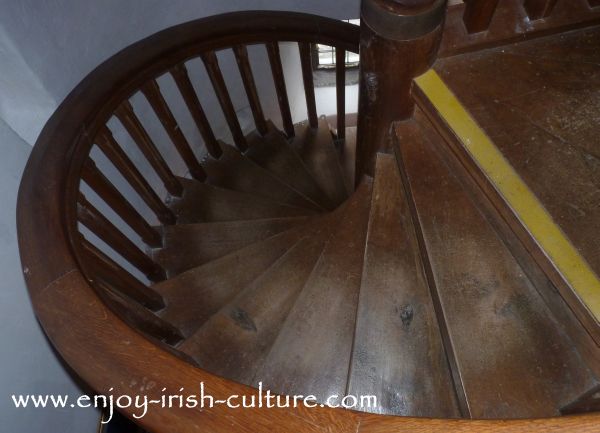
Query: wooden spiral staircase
point(317, 258)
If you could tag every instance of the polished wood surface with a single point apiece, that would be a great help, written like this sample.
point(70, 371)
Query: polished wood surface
point(398, 354)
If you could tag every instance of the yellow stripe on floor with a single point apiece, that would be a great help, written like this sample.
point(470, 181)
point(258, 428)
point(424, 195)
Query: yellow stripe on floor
point(573, 267)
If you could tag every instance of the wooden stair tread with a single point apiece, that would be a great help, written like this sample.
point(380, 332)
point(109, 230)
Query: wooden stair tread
point(234, 342)
point(398, 351)
point(187, 246)
point(274, 154)
point(317, 150)
point(207, 203)
point(312, 352)
point(514, 359)
point(234, 171)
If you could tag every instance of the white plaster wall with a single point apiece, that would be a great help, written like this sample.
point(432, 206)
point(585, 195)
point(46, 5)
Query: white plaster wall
point(46, 48)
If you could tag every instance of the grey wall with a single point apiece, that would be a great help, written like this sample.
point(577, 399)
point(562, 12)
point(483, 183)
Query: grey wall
point(46, 48)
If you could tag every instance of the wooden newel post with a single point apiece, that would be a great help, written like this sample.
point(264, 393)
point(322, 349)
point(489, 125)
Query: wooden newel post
point(399, 40)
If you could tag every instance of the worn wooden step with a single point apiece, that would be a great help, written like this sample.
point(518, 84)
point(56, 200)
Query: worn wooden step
point(513, 356)
point(202, 202)
point(317, 150)
point(189, 245)
point(234, 342)
point(398, 351)
point(234, 171)
point(311, 355)
point(274, 154)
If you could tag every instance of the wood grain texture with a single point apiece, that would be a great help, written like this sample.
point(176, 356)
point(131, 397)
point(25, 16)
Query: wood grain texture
point(189, 245)
point(206, 203)
point(237, 172)
point(311, 355)
point(398, 353)
point(316, 148)
point(348, 157)
point(498, 324)
point(274, 154)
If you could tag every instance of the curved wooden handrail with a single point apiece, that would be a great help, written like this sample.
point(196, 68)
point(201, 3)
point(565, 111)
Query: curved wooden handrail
point(104, 351)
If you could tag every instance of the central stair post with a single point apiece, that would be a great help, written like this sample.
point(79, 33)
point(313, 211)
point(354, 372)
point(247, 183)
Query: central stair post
point(399, 40)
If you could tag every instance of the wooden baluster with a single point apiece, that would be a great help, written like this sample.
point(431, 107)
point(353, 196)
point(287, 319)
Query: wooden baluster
point(108, 145)
point(106, 269)
point(152, 92)
point(90, 217)
point(135, 128)
point(280, 88)
point(241, 56)
point(216, 78)
point(139, 317)
point(478, 14)
point(309, 85)
point(340, 84)
point(537, 9)
point(399, 41)
point(107, 192)
point(594, 3)
point(182, 79)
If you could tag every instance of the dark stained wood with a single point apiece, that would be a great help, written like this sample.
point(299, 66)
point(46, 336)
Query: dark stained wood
point(499, 326)
point(309, 85)
point(311, 354)
point(478, 14)
point(107, 192)
point(398, 354)
point(537, 9)
point(206, 203)
point(139, 317)
point(194, 296)
point(275, 155)
point(318, 152)
point(218, 82)
point(237, 172)
point(512, 24)
point(348, 157)
point(385, 78)
point(113, 151)
point(137, 131)
point(539, 117)
point(182, 79)
point(280, 87)
point(340, 92)
point(589, 402)
point(91, 217)
point(189, 245)
point(594, 3)
point(152, 92)
point(241, 56)
point(235, 341)
point(107, 270)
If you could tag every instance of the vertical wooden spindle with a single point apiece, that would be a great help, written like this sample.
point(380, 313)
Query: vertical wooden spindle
point(280, 88)
point(478, 14)
point(594, 3)
point(537, 9)
point(340, 85)
point(107, 192)
point(106, 269)
point(98, 224)
point(137, 131)
point(216, 78)
point(309, 85)
point(115, 154)
point(182, 79)
point(152, 92)
point(241, 56)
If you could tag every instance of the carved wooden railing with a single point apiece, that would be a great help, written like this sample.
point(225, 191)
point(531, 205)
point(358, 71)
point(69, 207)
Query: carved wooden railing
point(98, 314)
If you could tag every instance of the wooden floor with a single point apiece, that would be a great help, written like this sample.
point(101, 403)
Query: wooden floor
point(539, 102)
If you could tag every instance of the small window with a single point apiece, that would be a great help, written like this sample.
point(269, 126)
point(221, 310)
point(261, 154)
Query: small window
point(324, 55)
